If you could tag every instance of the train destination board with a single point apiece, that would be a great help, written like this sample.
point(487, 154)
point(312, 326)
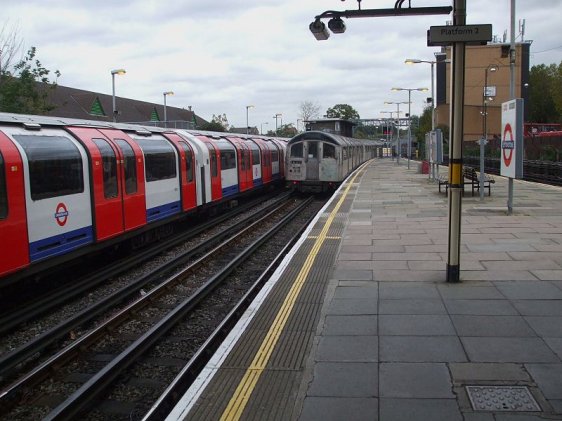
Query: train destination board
point(472, 34)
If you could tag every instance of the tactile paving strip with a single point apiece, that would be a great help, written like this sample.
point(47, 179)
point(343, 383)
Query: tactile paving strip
point(502, 398)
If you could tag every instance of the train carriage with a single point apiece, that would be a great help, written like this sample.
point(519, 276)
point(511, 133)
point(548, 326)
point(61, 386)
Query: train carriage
point(319, 162)
point(68, 186)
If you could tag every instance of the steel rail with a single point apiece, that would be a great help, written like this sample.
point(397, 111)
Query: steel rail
point(85, 395)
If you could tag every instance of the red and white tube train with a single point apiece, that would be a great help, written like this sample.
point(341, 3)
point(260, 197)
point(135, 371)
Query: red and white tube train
point(68, 186)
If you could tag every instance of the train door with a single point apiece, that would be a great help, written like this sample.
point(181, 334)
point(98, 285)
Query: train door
point(14, 252)
point(312, 161)
point(115, 185)
point(187, 171)
point(131, 178)
point(256, 164)
point(214, 158)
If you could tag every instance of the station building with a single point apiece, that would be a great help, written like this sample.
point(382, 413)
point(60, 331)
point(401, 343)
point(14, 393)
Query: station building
point(493, 60)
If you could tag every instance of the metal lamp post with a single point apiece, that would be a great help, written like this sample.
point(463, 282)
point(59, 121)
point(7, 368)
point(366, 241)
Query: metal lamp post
point(276, 116)
point(248, 124)
point(113, 73)
point(410, 116)
point(484, 140)
point(397, 128)
point(261, 127)
point(165, 115)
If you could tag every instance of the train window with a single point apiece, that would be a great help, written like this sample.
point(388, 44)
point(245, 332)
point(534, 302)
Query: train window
point(129, 165)
point(159, 159)
point(188, 162)
point(255, 156)
point(313, 150)
point(329, 151)
point(55, 166)
point(275, 156)
point(109, 167)
point(228, 160)
point(246, 159)
point(213, 156)
point(297, 150)
point(3, 191)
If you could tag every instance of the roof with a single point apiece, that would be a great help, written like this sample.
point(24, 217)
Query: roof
point(80, 104)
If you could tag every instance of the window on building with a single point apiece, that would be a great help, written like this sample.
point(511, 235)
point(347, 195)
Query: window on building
point(55, 166)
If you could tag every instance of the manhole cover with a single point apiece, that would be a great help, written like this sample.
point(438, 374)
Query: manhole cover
point(501, 398)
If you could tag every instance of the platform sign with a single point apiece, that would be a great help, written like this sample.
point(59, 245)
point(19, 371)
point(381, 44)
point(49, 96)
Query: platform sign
point(470, 34)
point(512, 139)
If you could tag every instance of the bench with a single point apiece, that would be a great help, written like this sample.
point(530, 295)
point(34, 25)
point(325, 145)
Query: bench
point(473, 177)
point(470, 174)
point(443, 180)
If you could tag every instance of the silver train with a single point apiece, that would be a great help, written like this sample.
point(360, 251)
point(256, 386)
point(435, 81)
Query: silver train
point(318, 161)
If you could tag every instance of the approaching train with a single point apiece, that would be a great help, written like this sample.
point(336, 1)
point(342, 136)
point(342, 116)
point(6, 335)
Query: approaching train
point(68, 186)
point(319, 161)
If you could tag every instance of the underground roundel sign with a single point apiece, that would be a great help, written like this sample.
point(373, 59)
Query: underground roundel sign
point(61, 214)
point(508, 144)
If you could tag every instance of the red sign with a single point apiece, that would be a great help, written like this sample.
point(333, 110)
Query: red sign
point(507, 145)
point(61, 214)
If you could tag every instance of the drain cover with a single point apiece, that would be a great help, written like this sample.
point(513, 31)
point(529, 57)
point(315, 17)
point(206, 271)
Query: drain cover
point(502, 398)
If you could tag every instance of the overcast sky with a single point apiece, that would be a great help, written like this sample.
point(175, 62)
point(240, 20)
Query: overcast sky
point(220, 56)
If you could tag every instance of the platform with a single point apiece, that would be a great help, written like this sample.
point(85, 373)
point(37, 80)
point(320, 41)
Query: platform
point(360, 324)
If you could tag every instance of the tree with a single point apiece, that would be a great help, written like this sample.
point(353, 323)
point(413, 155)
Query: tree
point(343, 111)
point(219, 123)
point(309, 110)
point(10, 45)
point(20, 91)
point(545, 93)
point(285, 130)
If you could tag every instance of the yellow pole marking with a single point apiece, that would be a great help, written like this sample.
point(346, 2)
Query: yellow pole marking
point(455, 176)
point(241, 396)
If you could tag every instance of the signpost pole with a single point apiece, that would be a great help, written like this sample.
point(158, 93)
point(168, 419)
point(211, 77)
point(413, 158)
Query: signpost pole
point(455, 151)
point(511, 96)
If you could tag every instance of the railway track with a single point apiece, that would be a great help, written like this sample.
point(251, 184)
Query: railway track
point(122, 365)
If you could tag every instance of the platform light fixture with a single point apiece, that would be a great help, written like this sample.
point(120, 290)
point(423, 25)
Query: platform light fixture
point(318, 29)
point(113, 73)
point(336, 25)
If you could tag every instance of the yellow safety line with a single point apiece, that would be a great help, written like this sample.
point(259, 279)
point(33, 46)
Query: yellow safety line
point(241, 396)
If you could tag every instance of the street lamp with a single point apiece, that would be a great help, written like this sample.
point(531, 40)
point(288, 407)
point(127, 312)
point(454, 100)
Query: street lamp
point(410, 116)
point(261, 127)
point(487, 95)
point(276, 116)
point(416, 61)
point(165, 115)
point(398, 143)
point(247, 124)
point(113, 73)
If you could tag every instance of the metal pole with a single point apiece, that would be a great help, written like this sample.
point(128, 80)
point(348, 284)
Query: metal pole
point(113, 96)
point(484, 134)
point(511, 96)
point(165, 115)
point(432, 171)
point(247, 119)
point(409, 126)
point(399, 146)
point(455, 152)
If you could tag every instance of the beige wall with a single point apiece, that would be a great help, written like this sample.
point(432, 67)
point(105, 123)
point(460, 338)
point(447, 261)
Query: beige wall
point(478, 58)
